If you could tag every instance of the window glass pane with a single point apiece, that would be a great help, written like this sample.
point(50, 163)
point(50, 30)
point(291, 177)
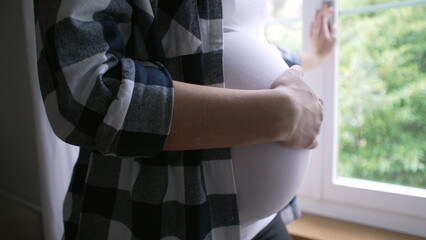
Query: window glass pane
point(284, 27)
point(382, 96)
point(349, 4)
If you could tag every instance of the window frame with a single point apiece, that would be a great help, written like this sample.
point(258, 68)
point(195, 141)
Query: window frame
point(387, 206)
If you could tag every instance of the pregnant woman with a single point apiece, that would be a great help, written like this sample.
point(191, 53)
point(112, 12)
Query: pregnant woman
point(267, 175)
point(134, 119)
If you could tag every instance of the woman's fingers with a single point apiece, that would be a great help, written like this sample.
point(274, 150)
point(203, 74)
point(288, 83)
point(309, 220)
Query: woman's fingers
point(297, 68)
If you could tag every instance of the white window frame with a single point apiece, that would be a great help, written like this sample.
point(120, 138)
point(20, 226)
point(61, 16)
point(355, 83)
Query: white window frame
point(387, 206)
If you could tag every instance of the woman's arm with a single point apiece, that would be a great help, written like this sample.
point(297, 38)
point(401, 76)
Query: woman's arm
point(97, 98)
point(207, 117)
point(323, 37)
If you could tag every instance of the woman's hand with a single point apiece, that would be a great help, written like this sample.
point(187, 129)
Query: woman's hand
point(323, 33)
point(323, 37)
point(304, 110)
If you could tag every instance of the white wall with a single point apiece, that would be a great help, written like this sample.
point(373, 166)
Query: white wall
point(20, 217)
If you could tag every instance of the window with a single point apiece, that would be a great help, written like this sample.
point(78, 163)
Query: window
point(370, 166)
point(285, 24)
point(382, 93)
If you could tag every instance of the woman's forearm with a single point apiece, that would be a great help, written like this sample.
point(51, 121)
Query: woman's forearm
point(312, 60)
point(209, 117)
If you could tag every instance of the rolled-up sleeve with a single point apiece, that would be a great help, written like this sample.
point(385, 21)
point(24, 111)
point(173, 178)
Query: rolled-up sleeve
point(95, 96)
point(290, 57)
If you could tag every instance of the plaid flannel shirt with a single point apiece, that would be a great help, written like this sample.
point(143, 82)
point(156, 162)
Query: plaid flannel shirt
point(106, 70)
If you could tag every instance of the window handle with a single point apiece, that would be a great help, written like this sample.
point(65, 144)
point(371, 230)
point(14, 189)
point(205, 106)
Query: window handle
point(329, 3)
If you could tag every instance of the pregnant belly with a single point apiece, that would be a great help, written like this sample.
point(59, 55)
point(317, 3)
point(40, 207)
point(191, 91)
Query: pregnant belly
point(267, 175)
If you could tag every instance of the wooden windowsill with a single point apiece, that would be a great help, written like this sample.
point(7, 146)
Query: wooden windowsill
point(310, 227)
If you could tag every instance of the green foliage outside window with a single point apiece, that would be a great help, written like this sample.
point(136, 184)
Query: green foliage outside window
point(382, 96)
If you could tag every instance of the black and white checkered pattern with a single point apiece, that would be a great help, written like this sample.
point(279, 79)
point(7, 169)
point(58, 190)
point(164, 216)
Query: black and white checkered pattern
point(106, 70)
